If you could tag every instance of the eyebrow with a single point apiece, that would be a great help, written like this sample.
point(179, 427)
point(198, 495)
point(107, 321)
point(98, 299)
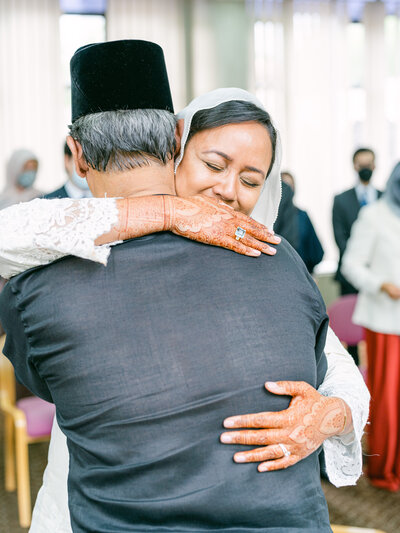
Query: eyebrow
point(225, 156)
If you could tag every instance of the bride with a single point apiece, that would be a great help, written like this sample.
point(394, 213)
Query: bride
point(42, 231)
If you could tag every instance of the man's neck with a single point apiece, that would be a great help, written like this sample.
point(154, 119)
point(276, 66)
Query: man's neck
point(141, 181)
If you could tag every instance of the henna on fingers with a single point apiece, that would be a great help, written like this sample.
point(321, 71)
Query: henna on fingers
point(199, 218)
point(291, 435)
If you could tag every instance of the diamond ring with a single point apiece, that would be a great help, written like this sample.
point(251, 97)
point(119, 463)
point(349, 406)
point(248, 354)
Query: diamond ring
point(286, 452)
point(240, 233)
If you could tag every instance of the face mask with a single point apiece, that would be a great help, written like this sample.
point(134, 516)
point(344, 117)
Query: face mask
point(26, 179)
point(78, 181)
point(365, 174)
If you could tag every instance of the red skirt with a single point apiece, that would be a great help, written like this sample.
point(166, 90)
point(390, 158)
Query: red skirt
point(384, 430)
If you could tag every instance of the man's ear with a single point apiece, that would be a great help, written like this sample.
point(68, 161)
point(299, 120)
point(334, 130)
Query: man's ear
point(81, 166)
point(178, 135)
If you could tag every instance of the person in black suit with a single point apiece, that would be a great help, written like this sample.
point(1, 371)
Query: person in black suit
point(346, 207)
point(286, 221)
point(75, 187)
point(308, 245)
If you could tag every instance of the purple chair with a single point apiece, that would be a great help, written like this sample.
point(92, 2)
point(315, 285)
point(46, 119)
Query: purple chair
point(340, 317)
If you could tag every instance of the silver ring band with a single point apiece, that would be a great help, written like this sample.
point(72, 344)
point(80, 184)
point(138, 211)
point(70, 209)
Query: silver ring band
point(285, 451)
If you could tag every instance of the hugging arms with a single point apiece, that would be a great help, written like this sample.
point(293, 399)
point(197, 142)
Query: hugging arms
point(42, 231)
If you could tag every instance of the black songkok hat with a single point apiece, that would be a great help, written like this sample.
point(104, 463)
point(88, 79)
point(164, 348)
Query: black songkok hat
point(128, 74)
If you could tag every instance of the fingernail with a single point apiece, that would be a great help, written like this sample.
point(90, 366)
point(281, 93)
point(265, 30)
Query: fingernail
point(272, 386)
point(254, 253)
point(276, 239)
point(262, 468)
point(229, 423)
point(270, 250)
point(239, 458)
point(226, 438)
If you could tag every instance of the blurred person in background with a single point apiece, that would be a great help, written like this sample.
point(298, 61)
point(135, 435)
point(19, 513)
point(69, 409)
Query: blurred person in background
point(308, 245)
point(75, 187)
point(372, 264)
point(21, 174)
point(346, 207)
point(286, 222)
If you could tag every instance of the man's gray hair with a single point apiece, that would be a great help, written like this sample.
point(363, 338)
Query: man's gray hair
point(125, 139)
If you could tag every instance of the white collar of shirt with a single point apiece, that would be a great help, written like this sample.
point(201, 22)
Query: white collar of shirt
point(367, 192)
point(75, 192)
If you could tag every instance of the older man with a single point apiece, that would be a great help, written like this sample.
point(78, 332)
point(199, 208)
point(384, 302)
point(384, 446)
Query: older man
point(132, 354)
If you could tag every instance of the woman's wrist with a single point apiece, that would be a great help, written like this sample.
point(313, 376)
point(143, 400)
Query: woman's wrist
point(136, 217)
point(347, 424)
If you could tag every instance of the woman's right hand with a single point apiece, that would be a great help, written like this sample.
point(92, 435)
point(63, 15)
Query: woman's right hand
point(211, 221)
point(391, 290)
point(199, 218)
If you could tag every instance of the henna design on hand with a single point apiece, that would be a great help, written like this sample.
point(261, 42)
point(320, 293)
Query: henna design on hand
point(301, 428)
point(199, 218)
point(211, 221)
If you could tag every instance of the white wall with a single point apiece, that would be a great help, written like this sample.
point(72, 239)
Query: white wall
point(31, 105)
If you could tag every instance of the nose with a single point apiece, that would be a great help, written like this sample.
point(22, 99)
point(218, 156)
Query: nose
point(225, 188)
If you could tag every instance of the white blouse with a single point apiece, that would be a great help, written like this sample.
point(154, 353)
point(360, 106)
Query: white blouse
point(41, 231)
point(372, 257)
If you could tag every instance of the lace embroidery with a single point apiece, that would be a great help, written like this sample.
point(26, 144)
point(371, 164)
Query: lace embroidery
point(343, 454)
point(41, 231)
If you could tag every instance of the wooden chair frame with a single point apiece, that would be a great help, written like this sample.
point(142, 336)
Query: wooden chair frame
point(16, 441)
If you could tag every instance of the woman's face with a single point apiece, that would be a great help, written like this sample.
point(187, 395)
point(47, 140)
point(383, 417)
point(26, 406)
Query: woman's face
point(31, 164)
point(228, 163)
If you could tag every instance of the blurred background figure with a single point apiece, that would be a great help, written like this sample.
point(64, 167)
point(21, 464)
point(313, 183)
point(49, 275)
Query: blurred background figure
point(21, 174)
point(308, 245)
point(346, 207)
point(286, 222)
point(75, 186)
point(372, 263)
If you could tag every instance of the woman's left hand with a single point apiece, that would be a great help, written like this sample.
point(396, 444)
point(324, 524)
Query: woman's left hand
point(291, 435)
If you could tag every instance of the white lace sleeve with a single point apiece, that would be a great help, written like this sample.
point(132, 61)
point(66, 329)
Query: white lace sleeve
point(41, 231)
point(343, 454)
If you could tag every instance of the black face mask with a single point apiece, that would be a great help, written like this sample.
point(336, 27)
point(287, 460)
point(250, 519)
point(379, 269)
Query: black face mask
point(365, 174)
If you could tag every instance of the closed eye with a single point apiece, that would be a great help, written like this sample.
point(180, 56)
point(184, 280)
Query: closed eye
point(250, 183)
point(213, 167)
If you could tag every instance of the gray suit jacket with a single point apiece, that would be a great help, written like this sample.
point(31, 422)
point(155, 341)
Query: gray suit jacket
point(144, 359)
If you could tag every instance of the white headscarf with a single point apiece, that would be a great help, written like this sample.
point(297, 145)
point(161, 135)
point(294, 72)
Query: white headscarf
point(11, 195)
point(266, 208)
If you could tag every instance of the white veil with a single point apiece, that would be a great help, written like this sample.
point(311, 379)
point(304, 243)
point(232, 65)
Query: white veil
point(10, 194)
point(266, 208)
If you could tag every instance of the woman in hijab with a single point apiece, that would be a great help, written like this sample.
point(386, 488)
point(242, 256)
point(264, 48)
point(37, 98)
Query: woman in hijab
point(372, 264)
point(21, 174)
point(79, 227)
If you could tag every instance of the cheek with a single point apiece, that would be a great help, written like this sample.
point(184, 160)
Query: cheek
point(182, 181)
point(247, 199)
point(189, 179)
